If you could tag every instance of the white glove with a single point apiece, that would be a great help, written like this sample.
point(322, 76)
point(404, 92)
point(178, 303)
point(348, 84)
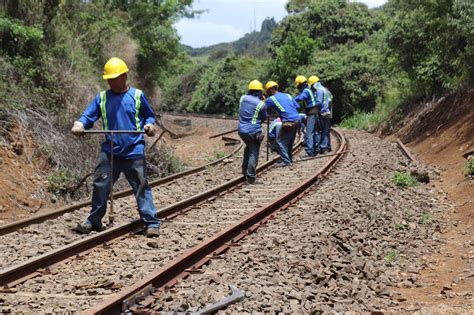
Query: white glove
point(78, 129)
point(150, 130)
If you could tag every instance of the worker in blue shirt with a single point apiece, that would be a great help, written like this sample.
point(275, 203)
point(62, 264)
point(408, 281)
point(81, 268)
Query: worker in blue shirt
point(121, 108)
point(287, 110)
point(273, 133)
point(252, 113)
point(324, 100)
point(312, 122)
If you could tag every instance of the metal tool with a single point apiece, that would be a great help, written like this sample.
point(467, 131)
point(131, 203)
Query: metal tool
point(235, 296)
point(112, 133)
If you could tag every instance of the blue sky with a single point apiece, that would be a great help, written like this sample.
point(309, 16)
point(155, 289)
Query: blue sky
point(228, 20)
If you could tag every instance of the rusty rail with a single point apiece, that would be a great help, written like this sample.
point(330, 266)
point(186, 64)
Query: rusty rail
point(200, 115)
point(23, 271)
point(199, 255)
point(11, 227)
point(224, 133)
point(405, 150)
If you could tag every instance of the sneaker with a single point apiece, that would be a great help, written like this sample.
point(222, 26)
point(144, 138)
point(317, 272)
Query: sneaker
point(153, 232)
point(86, 228)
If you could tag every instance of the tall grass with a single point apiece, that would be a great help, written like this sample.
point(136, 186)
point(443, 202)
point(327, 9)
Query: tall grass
point(370, 120)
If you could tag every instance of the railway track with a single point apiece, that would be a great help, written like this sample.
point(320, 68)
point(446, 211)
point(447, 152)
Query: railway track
point(41, 234)
point(79, 283)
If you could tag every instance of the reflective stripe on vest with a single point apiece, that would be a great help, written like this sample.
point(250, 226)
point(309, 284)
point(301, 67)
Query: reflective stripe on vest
point(103, 110)
point(138, 103)
point(257, 110)
point(273, 98)
point(313, 102)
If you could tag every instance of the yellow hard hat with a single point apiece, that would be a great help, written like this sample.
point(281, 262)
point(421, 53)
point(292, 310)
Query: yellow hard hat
point(313, 79)
point(300, 79)
point(255, 85)
point(270, 84)
point(113, 68)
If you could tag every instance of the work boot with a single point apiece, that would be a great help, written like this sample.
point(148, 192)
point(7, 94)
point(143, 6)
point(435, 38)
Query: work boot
point(153, 232)
point(250, 180)
point(87, 227)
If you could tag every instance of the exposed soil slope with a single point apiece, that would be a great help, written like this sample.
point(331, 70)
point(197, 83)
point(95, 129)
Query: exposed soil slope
point(439, 133)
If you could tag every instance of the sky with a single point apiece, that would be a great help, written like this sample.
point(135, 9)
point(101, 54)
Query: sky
point(228, 20)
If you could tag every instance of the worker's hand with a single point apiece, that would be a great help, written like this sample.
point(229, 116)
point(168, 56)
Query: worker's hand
point(78, 129)
point(150, 130)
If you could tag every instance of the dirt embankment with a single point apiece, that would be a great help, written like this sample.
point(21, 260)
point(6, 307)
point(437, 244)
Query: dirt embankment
point(23, 180)
point(439, 132)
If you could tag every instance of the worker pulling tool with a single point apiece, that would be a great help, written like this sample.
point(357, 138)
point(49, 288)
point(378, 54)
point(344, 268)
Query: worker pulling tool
point(126, 114)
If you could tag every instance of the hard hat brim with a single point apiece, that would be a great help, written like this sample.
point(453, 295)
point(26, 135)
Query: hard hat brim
point(112, 76)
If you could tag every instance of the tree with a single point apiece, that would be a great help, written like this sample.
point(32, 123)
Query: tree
point(433, 42)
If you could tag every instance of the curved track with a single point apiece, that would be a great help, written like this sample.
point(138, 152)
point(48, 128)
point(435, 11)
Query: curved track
point(81, 283)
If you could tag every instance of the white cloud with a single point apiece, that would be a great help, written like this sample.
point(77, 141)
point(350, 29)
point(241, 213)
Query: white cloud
point(198, 33)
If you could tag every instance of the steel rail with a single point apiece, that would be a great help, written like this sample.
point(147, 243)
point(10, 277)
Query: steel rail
point(202, 253)
point(23, 271)
point(191, 115)
point(12, 227)
point(224, 133)
point(405, 150)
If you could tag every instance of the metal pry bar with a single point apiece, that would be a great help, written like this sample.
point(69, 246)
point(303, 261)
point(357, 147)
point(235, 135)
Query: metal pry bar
point(235, 296)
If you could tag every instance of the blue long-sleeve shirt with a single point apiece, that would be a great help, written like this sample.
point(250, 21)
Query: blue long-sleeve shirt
point(252, 112)
point(285, 105)
point(308, 97)
point(322, 97)
point(121, 114)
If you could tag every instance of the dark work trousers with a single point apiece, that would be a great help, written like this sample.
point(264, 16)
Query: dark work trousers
point(251, 153)
point(286, 139)
point(325, 142)
point(135, 172)
point(313, 137)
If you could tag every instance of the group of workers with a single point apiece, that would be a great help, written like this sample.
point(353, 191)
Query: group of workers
point(123, 108)
point(315, 123)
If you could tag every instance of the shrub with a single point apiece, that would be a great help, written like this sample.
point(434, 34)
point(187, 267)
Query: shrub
point(425, 219)
point(61, 181)
point(403, 179)
point(469, 168)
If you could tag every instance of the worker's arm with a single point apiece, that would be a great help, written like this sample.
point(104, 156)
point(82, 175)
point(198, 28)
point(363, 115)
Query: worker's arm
point(91, 114)
point(263, 112)
point(301, 97)
point(146, 111)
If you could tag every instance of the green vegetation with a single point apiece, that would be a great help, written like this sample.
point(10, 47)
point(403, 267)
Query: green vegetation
point(61, 181)
point(253, 44)
point(402, 179)
point(219, 154)
point(469, 168)
point(425, 219)
point(401, 226)
point(390, 257)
